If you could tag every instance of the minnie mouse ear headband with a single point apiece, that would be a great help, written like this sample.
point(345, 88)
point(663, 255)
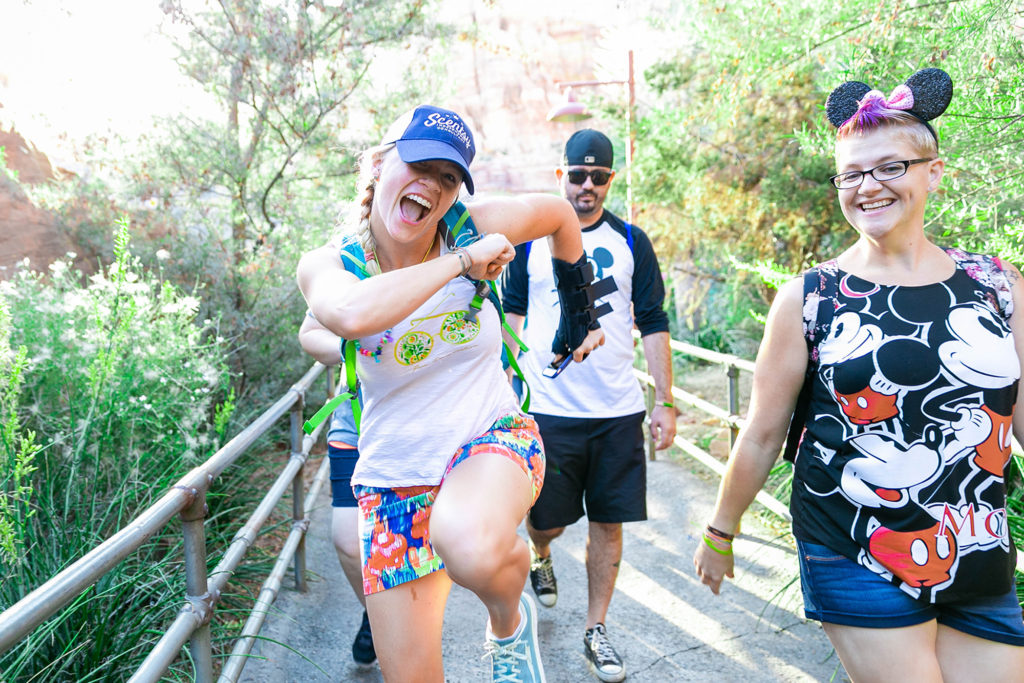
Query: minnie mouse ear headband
point(925, 95)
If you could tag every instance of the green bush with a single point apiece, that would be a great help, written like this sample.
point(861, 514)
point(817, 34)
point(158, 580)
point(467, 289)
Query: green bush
point(109, 399)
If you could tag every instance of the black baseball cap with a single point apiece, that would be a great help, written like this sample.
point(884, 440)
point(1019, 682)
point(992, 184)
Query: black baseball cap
point(588, 147)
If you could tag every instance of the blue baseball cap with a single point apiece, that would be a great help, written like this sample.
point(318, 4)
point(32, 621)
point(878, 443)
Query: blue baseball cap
point(429, 133)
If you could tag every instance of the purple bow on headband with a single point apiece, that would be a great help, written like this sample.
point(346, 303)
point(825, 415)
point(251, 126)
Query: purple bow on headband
point(869, 107)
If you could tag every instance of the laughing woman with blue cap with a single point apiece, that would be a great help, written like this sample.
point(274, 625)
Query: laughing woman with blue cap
point(448, 464)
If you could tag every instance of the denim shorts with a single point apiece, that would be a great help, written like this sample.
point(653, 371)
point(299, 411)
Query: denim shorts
point(838, 590)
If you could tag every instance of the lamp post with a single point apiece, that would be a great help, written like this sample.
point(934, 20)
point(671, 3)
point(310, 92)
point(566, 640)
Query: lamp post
point(571, 110)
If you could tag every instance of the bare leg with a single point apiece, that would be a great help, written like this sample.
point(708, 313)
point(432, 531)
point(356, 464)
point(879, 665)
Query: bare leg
point(968, 659)
point(541, 539)
point(876, 655)
point(604, 553)
point(473, 528)
point(345, 534)
point(407, 621)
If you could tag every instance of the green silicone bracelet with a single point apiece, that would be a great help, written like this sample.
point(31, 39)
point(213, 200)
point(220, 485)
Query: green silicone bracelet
point(715, 548)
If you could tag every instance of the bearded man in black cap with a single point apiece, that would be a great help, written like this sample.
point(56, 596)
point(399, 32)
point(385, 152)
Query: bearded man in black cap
point(591, 415)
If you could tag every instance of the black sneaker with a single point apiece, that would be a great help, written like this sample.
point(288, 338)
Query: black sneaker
point(542, 578)
point(362, 647)
point(602, 657)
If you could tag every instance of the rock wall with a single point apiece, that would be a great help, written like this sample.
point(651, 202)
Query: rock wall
point(25, 230)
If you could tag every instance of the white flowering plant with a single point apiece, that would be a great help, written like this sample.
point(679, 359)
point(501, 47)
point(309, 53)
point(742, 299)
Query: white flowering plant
point(112, 390)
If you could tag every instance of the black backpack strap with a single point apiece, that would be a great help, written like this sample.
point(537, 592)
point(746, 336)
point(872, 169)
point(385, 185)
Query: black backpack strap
point(817, 320)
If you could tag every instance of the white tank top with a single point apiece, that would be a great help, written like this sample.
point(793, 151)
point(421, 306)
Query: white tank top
point(438, 385)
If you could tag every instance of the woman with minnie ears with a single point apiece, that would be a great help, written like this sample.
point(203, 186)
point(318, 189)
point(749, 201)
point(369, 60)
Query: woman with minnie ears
point(448, 464)
point(898, 493)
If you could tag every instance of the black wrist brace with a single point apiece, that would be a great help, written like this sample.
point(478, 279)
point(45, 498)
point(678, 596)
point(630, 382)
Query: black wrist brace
point(576, 296)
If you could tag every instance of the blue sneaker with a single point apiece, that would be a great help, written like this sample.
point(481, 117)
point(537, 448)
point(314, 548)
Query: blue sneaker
point(517, 659)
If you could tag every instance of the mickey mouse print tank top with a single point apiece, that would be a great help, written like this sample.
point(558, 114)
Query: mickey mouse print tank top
point(908, 433)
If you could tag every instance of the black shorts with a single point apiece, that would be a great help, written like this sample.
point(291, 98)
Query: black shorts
point(343, 461)
point(594, 465)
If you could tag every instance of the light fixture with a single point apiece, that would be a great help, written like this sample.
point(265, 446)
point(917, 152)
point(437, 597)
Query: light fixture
point(569, 110)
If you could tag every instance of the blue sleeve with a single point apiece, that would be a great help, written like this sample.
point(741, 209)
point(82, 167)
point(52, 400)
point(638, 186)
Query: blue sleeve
point(515, 283)
point(648, 287)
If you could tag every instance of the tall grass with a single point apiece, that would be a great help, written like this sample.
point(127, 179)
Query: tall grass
point(108, 393)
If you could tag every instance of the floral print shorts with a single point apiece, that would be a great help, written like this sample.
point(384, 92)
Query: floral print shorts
point(394, 524)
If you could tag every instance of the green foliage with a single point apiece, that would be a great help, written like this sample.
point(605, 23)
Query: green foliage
point(285, 76)
point(230, 203)
point(116, 381)
point(17, 448)
point(736, 149)
point(7, 172)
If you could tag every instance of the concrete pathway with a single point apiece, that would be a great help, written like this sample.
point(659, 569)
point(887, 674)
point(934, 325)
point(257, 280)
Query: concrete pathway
point(665, 624)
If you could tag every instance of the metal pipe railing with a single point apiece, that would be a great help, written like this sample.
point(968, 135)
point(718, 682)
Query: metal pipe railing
point(239, 656)
point(298, 500)
point(707, 354)
point(32, 610)
point(681, 396)
point(729, 418)
point(197, 591)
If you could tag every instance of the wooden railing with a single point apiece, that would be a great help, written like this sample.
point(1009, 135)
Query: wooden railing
point(729, 416)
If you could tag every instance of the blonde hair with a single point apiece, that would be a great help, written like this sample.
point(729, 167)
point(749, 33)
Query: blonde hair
point(908, 127)
point(356, 218)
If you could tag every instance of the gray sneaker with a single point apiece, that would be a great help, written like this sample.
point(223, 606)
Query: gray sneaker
point(602, 657)
point(542, 579)
point(517, 660)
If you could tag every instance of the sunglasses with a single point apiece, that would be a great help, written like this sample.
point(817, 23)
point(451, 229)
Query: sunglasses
point(580, 177)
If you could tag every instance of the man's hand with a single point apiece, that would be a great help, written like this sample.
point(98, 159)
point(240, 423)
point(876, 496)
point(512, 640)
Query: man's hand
point(712, 567)
point(663, 426)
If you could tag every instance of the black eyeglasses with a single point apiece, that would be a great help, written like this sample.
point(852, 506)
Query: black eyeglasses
point(890, 170)
point(580, 177)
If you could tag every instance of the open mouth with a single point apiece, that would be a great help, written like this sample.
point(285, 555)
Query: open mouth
point(880, 204)
point(414, 207)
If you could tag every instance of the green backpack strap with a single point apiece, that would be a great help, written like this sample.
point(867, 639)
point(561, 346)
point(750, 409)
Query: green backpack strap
point(463, 232)
point(348, 352)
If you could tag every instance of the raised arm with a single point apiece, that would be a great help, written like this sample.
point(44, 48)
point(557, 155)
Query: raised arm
point(353, 308)
point(530, 217)
point(778, 376)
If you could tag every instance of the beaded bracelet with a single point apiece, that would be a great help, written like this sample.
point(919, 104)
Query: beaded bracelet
point(725, 536)
point(711, 544)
